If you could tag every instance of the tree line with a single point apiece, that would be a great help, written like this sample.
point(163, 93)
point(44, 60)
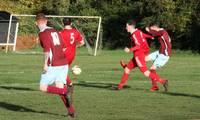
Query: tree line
point(181, 18)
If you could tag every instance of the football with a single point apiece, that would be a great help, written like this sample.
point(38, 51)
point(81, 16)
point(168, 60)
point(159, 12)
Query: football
point(76, 70)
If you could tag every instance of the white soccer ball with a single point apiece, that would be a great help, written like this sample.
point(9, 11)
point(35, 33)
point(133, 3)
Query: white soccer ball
point(76, 70)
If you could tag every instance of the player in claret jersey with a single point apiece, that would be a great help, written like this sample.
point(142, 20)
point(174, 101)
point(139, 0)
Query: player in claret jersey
point(72, 39)
point(139, 57)
point(160, 57)
point(55, 64)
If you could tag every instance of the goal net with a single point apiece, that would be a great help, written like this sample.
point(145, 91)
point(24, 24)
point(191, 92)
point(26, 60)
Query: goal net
point(26, 40)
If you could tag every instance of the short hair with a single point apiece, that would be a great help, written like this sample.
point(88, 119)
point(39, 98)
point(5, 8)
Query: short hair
point(131, 22)
point(154, 24)
point(67, 21)
point(40, 16)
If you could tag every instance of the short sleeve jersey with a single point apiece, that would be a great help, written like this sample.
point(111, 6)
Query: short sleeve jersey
point(164, 40)
point(52, 42)
point(139, 40)
point(70, 38)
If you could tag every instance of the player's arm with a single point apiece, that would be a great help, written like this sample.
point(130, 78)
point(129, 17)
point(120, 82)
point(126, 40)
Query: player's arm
point(135, 38)
point(147, 36)
point(80, 43)
point(132, 49)
point(136, 47)
point(155, 33)
point(80, 39)
point(147, 29)
point(46, 49)
point(46, 58)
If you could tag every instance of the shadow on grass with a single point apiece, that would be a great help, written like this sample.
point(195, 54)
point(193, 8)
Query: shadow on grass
point(107, 86)
point(19, 108)
point(16, 88)
point(181, 94)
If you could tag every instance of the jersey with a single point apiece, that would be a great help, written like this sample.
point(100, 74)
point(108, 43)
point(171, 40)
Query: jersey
point(71, 37)
point(139, 43)
point(146, 45)
point(164, 40)
point(52, 42)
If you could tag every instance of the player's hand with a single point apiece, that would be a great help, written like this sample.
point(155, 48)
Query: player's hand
point(147, 29)
point(127, 50)
point(45, 68)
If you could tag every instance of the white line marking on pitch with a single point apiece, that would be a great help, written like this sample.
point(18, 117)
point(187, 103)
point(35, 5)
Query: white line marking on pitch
point(13, 72)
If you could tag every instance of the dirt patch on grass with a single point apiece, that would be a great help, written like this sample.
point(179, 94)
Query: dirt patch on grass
point(26, 42)
point(23, 42)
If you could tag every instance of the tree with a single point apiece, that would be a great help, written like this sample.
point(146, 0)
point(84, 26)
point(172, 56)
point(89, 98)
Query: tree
point(180, 17)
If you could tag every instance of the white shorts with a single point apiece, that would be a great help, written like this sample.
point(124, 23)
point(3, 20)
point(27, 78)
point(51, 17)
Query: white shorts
point(54, 74)
point(158, 59)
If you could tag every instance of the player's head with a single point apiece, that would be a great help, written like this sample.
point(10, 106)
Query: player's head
point(67, 21)
point(130, 25)
point(40, 17)
point(154, 26)
point(41, 20)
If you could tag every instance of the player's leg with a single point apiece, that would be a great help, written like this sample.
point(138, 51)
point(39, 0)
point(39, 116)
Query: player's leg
point(122, 63)
point(70, 87)
point(69, 84)
point(68, 105)
point(47, 79)
point(60, 81)
point(152, 57)
point(140, 60)
point(153, 81)
point(156, 77)
point(126, 73)
point(67, 101)
point(159, 62)
point(70, 58)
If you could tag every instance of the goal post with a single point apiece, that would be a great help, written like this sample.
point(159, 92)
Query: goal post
point(57, 18)
point(8, 30)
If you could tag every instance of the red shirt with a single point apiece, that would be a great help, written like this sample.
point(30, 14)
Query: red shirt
point(165, 41)
point(51, 42)
point(139, 43)
point(71, 37)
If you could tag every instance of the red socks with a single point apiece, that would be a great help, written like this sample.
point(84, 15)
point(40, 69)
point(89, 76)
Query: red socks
point(123, 80)
point(153, 81)
point(155, 77)
point(56, 90)
point(62, 92)
point(69, 106)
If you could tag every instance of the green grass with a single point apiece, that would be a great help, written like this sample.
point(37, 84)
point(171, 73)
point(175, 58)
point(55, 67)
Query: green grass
point(20, 98)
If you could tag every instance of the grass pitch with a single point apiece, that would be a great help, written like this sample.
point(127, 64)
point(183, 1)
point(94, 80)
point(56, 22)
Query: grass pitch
point(20, 98)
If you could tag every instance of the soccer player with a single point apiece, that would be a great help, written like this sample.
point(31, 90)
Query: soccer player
point(145, 47)
point(72, 39)
point(55, 65)
point(138, 60)
point(161, 56)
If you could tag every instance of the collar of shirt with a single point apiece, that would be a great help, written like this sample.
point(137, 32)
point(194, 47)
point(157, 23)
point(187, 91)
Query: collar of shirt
point(44, 28)
point(134, 31)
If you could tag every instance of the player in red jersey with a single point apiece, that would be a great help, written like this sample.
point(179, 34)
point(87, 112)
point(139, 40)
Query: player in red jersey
point(55, 64)
point(145, 47)
point(73, 39)
point(139, 57)
point(160, 57)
